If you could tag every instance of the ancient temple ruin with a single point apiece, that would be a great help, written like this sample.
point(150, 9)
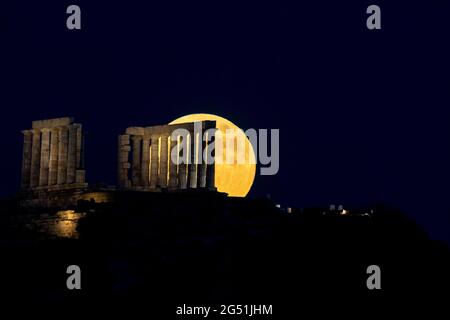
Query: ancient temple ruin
point(53, 172)
point(53, 155)
point(145, 161)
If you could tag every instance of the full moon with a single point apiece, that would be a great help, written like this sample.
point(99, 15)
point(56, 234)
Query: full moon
point(235, 178)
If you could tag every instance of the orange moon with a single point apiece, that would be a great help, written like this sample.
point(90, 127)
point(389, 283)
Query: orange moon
point(234, 178)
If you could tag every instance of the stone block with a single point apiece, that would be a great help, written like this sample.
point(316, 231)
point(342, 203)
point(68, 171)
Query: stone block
point(80, 176)
point(126, 165)
point(124, 139)
point(135, 131)
point(52, 123)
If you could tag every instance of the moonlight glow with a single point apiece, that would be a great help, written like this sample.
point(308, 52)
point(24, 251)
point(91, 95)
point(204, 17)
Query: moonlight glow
point(234, 179)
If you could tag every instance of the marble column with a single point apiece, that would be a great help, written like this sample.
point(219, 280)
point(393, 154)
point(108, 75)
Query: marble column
point(201, 165)
point(182, 169)
point(79, 146)
point(53, 163)
point(124, 164)
point(136, 161)
point(45, 157)
point(35, 158)
point(26, 158)
point(154, 161)
point(63, 138)
point(173, 176)
point(145, 178)
point(80, 173)
point(83, 150)
point(71, 154)
point(192, 165)
point(162, 181)
point(210, 166)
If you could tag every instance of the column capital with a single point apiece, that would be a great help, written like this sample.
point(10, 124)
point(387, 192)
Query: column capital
point(27, 132)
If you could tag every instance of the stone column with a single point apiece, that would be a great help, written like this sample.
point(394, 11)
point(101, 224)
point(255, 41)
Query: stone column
point(136, 162)
point(83, 150)
point(80, 173)
point(79, 145)
point(35, 158)
point(63, 139)
point(124, 164)
point(145, 178)
point(26, 158)
point(71, 154)
point(201, 165)
point(192, 164)
point(182, 170)
point(154, 162)
point(53, 164)
point(210, 166)
point(45, 157)
point(80, 176)
point(173, 177)
point(162, 181)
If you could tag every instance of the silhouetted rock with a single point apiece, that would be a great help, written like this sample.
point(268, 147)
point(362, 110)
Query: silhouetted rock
point(166, 249)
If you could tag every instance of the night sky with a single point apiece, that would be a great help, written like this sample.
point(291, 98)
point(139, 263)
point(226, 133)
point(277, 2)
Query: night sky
point(363, 115)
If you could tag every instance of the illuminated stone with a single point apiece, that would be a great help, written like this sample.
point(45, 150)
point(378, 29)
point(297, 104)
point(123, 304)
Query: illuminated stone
point(151, 156)
point(53, 152)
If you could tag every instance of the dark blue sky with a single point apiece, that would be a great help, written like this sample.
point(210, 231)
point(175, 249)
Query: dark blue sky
point(363, 115)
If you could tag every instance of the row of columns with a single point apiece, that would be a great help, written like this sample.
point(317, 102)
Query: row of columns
point(53, 156)
point(152, 167)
